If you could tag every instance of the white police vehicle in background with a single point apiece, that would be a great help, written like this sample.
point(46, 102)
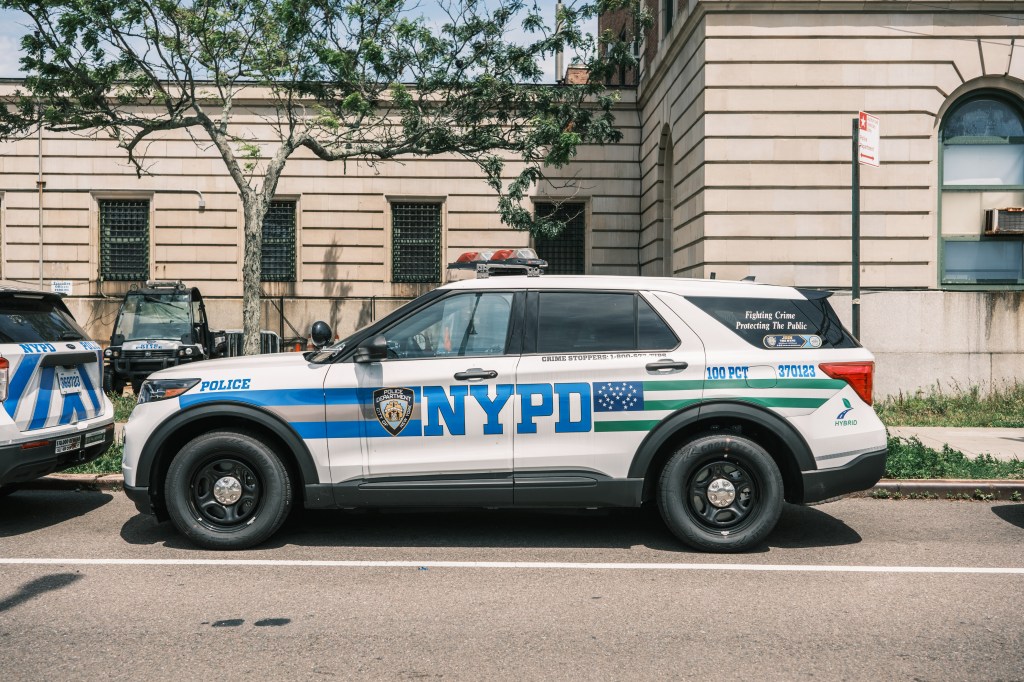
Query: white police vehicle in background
point(717, 400)
point(55, 414)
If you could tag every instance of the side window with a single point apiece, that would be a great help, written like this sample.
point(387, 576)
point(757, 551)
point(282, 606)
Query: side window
point(124, 240)
point(594, 322)
point(279, 243)
point(779, 323)
point(470, 324)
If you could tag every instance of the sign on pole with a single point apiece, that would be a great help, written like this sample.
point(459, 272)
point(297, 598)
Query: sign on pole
point(867, 153)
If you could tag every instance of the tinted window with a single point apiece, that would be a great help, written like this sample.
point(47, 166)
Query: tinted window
point(461, 325)
point(779, 324)
point(34, 320)
point(653, 333)
point(592, 322)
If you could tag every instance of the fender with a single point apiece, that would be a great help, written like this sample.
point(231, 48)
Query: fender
point(248, 412)
point(718, 410)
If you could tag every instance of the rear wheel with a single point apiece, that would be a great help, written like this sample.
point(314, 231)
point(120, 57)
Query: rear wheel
point(227, 490)
point(721, 493)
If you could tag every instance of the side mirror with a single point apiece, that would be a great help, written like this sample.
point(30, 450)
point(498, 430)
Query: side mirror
point(321, 334)
point(117, 340)
point(372, 349)
point(187, 338)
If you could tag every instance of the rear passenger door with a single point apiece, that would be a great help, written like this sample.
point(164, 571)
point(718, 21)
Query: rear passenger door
point(600, 369)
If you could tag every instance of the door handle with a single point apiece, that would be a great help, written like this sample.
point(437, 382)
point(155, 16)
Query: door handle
point(476, 373)
point(662, 365)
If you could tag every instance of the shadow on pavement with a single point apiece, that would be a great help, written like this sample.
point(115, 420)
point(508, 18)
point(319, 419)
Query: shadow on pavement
point(34, 588)
point(30, 510)
point(485, 528)
point(1011, 513)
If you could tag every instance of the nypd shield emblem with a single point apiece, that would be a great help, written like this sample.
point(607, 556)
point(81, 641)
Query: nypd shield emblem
point(393, 407)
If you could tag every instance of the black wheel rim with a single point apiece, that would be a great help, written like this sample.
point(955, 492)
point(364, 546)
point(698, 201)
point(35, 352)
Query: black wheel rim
point(722, 495)
point(215, 508)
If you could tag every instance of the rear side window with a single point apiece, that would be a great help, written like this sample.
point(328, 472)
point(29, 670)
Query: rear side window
point(595, 322)
point(780, 324)
point(36, 320)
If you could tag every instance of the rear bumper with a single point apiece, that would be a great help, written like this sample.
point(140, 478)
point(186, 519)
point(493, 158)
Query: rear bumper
point(860, 474)
point(19, 464)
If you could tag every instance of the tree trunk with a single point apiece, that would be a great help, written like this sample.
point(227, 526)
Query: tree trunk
point(254, 210)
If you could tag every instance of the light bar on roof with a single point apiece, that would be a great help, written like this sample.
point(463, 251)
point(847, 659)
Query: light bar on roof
point(501, 262)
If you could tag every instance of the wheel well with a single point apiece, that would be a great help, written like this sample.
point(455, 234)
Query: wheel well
point(783, 456)
point(173, 444)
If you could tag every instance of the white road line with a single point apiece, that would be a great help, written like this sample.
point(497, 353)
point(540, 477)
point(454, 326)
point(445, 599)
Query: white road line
point(514, 565)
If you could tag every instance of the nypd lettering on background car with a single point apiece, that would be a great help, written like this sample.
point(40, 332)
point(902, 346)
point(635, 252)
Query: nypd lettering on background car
point(715, 400)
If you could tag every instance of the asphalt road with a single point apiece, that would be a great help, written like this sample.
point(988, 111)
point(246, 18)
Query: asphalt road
point(856, 589)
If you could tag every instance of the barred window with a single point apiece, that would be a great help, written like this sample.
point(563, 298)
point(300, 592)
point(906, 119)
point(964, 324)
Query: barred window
point(124, 240)
point(279, 243)
point(415, 242)
point(565, 254)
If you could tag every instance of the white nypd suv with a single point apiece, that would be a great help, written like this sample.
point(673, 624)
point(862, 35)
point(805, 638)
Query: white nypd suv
point(716, 400)
point(55, 414)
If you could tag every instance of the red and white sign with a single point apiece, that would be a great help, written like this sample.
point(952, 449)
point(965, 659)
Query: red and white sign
point(867, 138)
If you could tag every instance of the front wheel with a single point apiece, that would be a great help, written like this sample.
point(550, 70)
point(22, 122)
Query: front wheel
point(721, 493)
point(227, 490)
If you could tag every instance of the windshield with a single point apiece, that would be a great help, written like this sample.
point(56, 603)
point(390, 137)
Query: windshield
point(34, 320)
point(154, 316)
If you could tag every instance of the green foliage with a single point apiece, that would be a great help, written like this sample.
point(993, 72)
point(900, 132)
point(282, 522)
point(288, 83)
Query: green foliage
point(123, 406)
point(1001, 408)
point(910, 459)
point(372, 80)
point(107, 463)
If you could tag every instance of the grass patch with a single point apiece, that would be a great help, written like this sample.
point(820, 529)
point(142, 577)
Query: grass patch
point(956, 407)
point(909, 458)
point(123, 406)
point(107, 463)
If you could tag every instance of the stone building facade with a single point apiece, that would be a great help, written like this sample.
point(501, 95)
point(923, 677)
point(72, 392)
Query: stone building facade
point(735, 161)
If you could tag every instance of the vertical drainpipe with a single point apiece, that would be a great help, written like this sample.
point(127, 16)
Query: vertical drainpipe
point(39, 186)
point(559, 58)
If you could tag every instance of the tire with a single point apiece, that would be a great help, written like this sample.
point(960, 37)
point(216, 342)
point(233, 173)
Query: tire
point(6, 490)
point(112, 384)
point(249, 510)
point(136, 387)
point(740, 513)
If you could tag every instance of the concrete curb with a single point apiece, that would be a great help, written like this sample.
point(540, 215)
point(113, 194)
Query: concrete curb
point(942, 488)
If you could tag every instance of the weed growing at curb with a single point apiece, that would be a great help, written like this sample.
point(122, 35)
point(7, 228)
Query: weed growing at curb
point(107, 463)
point(911, 459)
point(955, 407)
point(123, 406)
point(1015, 496)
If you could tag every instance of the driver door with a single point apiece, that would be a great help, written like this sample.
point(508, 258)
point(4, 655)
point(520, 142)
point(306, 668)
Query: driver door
point(437, 414)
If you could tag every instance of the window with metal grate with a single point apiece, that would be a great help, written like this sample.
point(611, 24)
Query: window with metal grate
point(124, 240)
point(566, 253)
point(279, 243)
point(415, 242)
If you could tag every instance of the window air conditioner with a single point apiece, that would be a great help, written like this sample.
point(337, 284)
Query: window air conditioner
point(1005, 221)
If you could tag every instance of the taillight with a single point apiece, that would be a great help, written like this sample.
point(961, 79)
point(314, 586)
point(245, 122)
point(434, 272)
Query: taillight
point(860, 376)
point(4, 366)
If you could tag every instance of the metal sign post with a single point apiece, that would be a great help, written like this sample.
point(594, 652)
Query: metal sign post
point(865, 150)
point(855, 231)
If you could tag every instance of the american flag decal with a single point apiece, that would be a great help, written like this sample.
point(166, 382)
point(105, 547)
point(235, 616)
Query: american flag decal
point(619, 396)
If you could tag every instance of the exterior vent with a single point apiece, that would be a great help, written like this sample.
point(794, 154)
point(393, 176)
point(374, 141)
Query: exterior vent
point(1004, 221)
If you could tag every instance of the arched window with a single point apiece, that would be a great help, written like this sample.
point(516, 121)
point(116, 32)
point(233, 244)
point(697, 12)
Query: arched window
point(981, 176)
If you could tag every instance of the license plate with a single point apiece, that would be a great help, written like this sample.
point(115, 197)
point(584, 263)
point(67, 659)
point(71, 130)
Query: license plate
point(69, 380)
point(68, 444)
point(94, 437)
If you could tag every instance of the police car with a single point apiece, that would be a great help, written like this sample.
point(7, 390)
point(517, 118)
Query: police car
point(55, 414)
point(715, 400)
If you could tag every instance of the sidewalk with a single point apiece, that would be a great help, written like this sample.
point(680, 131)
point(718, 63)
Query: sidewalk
point(1004, 444)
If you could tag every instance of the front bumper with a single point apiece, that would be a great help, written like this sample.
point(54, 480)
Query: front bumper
point(860, 474)
point(19, 464)
point(140, 497)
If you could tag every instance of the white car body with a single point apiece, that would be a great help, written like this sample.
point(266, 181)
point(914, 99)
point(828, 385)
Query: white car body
point(547, 429)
